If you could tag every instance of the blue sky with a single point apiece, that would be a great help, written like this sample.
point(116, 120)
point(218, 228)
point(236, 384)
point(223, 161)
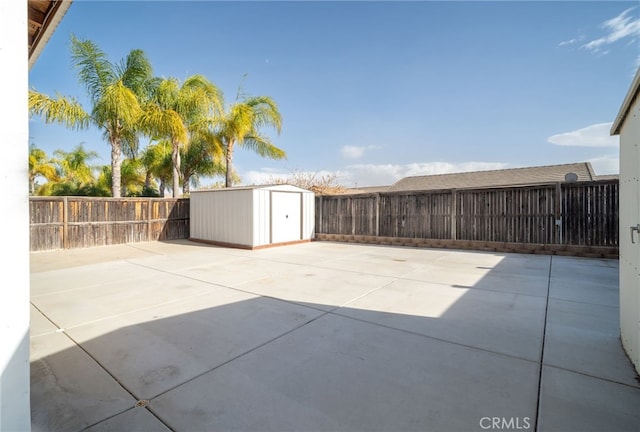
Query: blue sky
point(375, 91)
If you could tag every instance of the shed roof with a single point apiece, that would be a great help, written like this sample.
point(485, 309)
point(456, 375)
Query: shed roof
point(494, 178)
point(278, 187)
point(633, 92)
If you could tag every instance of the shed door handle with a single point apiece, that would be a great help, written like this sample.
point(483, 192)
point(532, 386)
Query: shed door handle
point(632, 229)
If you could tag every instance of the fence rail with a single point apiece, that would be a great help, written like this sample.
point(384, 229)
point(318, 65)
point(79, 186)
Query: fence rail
point(76, 222)
point(583, 214)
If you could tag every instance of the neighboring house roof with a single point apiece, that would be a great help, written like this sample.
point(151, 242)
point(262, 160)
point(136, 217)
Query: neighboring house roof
point(367, 189)
point(633, 92)
point(608, 177)
point(495, 178)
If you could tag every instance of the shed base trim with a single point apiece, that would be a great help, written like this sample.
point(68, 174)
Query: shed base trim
point(248, 247)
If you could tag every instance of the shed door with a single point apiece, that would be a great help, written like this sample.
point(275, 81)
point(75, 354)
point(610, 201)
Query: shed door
point(629, 235)
point(286, 209)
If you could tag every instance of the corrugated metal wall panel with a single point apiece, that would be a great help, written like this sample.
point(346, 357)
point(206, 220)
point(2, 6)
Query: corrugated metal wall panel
point(261, 217)
point(223, 216)
point(308, 215)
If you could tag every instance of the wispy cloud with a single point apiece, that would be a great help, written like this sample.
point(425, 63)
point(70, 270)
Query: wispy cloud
point(620, 27)
point(386, 174)
point(607, 164)
point(596, 135)
point(571, 41)
point(355, 152)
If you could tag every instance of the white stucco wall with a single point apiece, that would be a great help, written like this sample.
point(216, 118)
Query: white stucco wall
point(14, 219)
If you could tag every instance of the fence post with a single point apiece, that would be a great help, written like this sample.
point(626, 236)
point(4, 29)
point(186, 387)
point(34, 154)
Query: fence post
point(377, 214)
point(558, 213)
point(454, 215)
point(353, 217)
point(149, 207)
point(65, 223)
point(321, 205)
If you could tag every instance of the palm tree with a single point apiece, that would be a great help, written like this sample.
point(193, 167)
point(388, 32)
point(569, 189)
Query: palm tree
point(116, 92)
point(74, 174)
point(177, 109)
point(40, 165)
point(203, 157)
point(156, 161)
point(241, 125)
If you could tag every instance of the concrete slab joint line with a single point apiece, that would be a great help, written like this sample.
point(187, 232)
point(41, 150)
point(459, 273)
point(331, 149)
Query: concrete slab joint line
point(388, 338)
point(544, 332)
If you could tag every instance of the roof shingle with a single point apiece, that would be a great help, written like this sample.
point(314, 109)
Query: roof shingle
point(495, 178)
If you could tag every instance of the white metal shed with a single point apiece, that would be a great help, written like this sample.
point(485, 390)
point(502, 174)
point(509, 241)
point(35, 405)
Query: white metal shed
point(627, 125)
point(252, 217)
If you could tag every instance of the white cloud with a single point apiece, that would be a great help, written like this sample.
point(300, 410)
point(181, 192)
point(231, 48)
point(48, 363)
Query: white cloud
point(377, 175)
point(355, 152)
point(607, 164)
point(617, 28)
point(263, 176)
point(362, 175)
point(596, 135)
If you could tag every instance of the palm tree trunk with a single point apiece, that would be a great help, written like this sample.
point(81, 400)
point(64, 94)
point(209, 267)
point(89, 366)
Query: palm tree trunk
point(116, 163)
point(175, 158)
point(228, 182)
point(185, 185)
point(163, 186)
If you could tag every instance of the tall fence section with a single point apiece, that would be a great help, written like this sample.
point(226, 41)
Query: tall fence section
point(564, 218)
point(575, 218)
point(76, 222)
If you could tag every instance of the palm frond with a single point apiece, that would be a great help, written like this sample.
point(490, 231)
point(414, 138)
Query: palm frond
point(265, 111)
point(130, 143)
point(164, 123)
point(209, 91)
point(118, 104)
point(166, 93)
point(211, 140)
point(135, 71)
point(65, 111)
point(262, 146)
point(95, 71)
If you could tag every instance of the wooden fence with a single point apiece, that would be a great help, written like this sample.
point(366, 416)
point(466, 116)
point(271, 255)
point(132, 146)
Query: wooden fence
point(76, 222)
point(584, 214)
point(581, 215)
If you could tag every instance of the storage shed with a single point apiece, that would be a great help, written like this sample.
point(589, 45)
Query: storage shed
point(252, 217)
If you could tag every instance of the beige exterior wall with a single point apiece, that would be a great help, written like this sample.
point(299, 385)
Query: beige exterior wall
point(630, 239)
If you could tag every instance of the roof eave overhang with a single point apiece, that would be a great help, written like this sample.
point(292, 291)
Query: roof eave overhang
point(52, 19)
point(626, 105)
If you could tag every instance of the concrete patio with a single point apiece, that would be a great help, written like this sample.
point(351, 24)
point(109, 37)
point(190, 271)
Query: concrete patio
point(326, 337)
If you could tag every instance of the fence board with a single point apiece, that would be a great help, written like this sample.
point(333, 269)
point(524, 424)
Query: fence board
point(76, 222)
point(587, 214)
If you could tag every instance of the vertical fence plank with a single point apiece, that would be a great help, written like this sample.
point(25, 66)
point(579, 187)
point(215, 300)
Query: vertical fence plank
point(587, 211)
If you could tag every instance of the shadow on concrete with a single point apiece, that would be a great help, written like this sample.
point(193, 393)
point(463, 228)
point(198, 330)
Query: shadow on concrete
point(417, 353)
